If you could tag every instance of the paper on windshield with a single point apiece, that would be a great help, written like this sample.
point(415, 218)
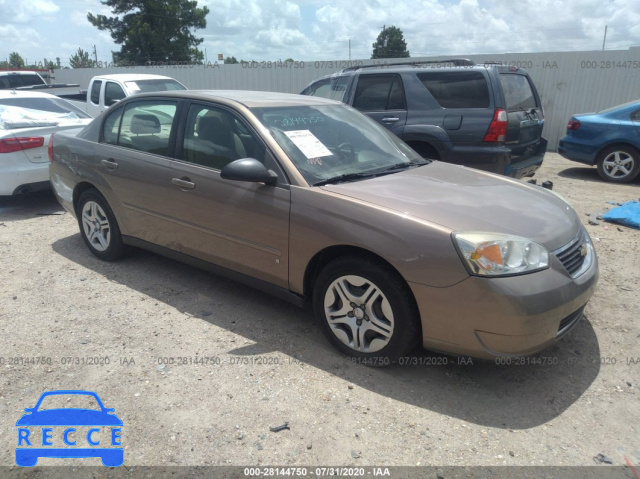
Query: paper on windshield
point(308, 144)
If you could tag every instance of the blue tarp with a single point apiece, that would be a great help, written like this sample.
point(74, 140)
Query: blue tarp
point(627, 214)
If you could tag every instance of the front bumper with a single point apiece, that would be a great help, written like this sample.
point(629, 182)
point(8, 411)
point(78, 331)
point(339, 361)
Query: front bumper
point(504, 317)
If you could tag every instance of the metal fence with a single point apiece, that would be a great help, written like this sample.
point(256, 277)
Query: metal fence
point(568, 82)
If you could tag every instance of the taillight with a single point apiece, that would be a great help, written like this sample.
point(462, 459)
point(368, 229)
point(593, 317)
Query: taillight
point(50, 147)
point(573, 124)
point(498, 129)
point(8, 145)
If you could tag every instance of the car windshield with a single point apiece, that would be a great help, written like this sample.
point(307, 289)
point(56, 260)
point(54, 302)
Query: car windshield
point(24, 112)
point(330, 141)
point(147, 86)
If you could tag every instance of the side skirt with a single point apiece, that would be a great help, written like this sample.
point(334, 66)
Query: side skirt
point(269, 288)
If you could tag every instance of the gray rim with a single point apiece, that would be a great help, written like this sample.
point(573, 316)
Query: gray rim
point(358, 313)
point(96, 226)
point(618, 164)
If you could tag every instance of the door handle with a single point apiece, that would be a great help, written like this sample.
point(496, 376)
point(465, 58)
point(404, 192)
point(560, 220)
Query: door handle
point(184, 183)
point(390, 119)
point(112, 165)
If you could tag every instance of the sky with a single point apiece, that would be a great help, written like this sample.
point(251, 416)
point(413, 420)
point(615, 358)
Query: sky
point(310, 30)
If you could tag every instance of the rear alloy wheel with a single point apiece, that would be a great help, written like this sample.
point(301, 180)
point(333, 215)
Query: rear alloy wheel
point(619, 164)
point(366, 311)
point(98, 226)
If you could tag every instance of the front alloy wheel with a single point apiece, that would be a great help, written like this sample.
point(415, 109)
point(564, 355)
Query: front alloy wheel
point(366, 310)
point(359, 313)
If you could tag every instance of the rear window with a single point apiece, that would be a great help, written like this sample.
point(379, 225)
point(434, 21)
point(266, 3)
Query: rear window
point(517, 92)
point(49, 105)
point(149, 86)
point(16, 80)
point(457, 89)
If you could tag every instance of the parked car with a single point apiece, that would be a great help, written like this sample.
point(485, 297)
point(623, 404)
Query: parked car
point(484, 116)
point(106, 90)
point(609, 139)
point(26, 122)
point(310, 200)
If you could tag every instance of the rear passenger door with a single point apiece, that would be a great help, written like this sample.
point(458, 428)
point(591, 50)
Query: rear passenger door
point(133, 160)
point(381, 97)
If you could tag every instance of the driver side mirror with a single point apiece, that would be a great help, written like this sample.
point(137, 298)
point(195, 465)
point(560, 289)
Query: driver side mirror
point(248, 169)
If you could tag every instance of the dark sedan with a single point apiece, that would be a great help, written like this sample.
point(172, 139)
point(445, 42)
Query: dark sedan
point(609, 139)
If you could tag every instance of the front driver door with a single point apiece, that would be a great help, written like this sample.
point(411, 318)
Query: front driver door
point(238, 225)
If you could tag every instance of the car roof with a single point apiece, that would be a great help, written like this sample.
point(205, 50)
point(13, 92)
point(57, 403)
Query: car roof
point(25, 94)
point(18, 72)
point(132, 77)
point(249, 99)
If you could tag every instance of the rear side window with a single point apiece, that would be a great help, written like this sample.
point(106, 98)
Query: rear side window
point(95, 92)
point(635, 116)
point(331, 88)
point(145, 126)
point(379, 93)
point(517, 92)
point(457, 89)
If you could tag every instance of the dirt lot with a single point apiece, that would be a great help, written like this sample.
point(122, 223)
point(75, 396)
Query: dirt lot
point(262, 362)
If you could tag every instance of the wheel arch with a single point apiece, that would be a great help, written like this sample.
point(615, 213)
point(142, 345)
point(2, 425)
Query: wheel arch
point(424, 148)
point(332, 253)
point(78, 190)
point(616, 144)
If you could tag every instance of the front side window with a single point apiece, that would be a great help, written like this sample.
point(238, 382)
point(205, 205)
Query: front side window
point(517, 92)
point(146, 86)
point(215, 137)
point(112, 93)
point(144, 126)
point(379, 93)
point(457, 89)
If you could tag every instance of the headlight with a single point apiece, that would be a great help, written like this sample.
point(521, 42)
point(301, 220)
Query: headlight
point(495, 254)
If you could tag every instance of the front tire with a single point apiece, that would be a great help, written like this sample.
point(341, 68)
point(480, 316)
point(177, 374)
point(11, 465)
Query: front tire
point(98, 226)
point(366, 310)
point(619, 164)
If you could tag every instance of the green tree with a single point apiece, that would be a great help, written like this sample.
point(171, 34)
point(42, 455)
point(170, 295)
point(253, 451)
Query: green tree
point(230, 60)
point(390, 44)
point(81, 59)
point(15, 60)
point(153, 30)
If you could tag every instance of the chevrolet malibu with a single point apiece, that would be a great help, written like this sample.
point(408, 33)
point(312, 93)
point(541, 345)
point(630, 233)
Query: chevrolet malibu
point(317, 204)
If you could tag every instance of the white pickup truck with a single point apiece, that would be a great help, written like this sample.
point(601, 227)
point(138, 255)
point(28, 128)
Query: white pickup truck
point(105, 90)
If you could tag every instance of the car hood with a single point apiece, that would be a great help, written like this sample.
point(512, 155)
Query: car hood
point(69, 417)
point(464, 199)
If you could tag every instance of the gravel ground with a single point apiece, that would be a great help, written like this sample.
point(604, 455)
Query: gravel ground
point(262, 362)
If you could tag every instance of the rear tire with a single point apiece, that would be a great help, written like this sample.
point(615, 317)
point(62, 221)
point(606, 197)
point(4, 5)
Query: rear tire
point(366, 310)
point(98, 226)
point(619, 164)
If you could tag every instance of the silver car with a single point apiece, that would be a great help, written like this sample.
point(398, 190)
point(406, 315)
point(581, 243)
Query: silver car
point(314, 202)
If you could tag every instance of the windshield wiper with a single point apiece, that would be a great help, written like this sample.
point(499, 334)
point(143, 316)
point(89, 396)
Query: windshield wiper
point(404, 166)
point(345, 177)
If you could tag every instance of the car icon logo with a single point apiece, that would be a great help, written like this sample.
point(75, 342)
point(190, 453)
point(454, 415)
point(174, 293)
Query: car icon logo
point(69, 432)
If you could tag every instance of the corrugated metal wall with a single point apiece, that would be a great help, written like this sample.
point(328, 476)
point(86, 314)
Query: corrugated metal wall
point(568, 82)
